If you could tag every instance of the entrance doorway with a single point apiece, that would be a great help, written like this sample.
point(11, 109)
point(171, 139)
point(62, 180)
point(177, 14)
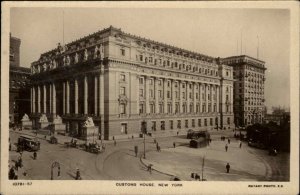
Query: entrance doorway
point(124, 128)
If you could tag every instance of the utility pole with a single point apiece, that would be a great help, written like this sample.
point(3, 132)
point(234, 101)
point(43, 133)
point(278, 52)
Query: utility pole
point(203, 167)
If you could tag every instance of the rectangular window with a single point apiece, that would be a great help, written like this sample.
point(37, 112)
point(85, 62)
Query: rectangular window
point(176, 108)
point(151, 93)
point(122, 77)
point(169, 108)
point(186, 123)
point(160, 93)
point(197, 96)
point(193, 122)
point(122, 91)
point(141, 57)
point(162, 125)
point(171, 124)
point(122, 51)
point(154, 125)
point(141, 93)
point(141, 80)
point(211, 122)
point(122, 109)
point(141, 108)
point(152, 108)
point(190, 95)
point(161, 108)
point(169, 83)
point(179, 124)
point(183, 95)
point(199, 122)
point(168, 94)
point(176, 94)
point(159, 82)
point(151, 82)
point(205, 122)
point(228, 120)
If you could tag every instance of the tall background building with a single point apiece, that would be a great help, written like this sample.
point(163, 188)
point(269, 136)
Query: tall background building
point(19, 91)
point(249, 75)
point(127, 83)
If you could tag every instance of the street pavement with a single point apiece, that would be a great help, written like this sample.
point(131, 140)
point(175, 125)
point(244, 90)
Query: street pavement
point(120, 163)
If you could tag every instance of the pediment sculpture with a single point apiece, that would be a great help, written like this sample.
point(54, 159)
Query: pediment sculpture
point(25, 117)
point(96, 52)
point(68, 60)
point(43, 119)
point(89, 122)
point(86, 55)
point(76, 58)
point(57, 120)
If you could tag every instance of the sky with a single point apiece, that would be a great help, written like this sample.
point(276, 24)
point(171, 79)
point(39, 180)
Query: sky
point(213, 32)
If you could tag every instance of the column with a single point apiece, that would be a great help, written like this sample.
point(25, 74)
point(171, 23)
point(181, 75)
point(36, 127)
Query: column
point(206, 96)
point(165, 86)
point(173, 95)
point(68, 98)
point(45, 98)
point(76, 96)
point(200, 97)
point(218, 99)
point(180, 96)
point(211, 97)
point(96, 96)
point(33, 99)
point(188, 97)
point(39, 99)
point(194, 92)
point(147, 106)
point(101, 93)
point(85, 95)
point(155, 80)
point(53, 99)
point(50, 99)
point(64, 98)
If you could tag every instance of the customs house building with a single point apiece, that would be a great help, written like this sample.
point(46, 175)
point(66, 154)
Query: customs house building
point(127, 83)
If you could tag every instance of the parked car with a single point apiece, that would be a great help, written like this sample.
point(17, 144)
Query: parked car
point(28, 143)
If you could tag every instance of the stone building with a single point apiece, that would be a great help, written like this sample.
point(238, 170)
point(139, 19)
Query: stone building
point(19, 91)
point(127, 83)
point(249, 75)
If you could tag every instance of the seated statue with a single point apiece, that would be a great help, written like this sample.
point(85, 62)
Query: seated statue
point(86, 55)
point(43, 119)
point(89, 122)
point(25, 117)
point(57, 120)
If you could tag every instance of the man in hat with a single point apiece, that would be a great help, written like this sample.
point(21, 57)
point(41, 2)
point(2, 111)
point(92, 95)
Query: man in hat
point(226, 147)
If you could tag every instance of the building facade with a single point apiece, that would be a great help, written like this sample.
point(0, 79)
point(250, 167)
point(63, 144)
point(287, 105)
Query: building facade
point(128, 83)
point(249, 75)
point(19, 89)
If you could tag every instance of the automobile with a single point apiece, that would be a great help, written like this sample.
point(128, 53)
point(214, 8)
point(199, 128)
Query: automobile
point(190, 134)
point(28, 143)
point(53, 140)
point(94, 148)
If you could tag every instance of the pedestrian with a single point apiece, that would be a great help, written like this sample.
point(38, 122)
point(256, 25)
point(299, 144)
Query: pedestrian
point(174, 144)
point(177, 133)
point(11, 174)
point(34, 155)
point(226, 147)
point(240, 144)
point(115, 142)
point(149, 168)
point(136, 150)
point(228, 141)
point(78, 177)
point(158, 148)
point(227, 168)
point(16, 175)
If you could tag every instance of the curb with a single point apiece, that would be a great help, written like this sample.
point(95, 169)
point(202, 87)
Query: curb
point(156, 169)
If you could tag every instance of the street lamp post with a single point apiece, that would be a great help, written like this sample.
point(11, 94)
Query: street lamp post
point(144, 130)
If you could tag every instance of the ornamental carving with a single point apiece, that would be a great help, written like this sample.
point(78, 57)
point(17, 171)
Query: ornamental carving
point(76, 58)
point(89, 122)
point(123, 99)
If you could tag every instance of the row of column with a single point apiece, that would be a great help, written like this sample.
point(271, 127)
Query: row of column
point(98, 95)
point(207, 91)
